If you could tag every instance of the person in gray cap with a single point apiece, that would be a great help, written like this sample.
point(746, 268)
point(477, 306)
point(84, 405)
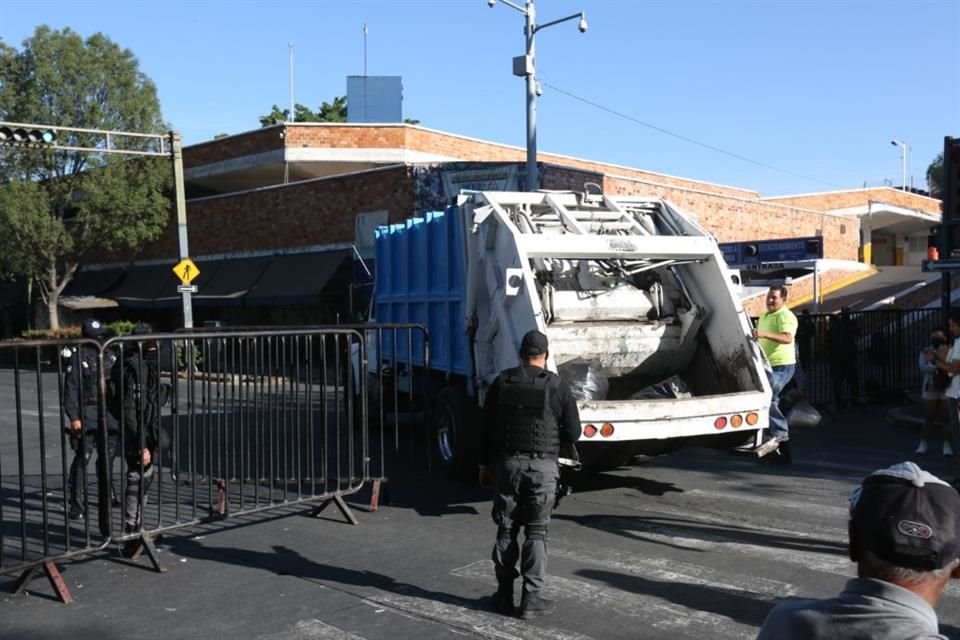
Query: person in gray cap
point(904, 533)
point(81, 404)
point(528, 412)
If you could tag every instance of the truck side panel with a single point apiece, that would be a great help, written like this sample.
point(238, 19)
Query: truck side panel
point(424, 284)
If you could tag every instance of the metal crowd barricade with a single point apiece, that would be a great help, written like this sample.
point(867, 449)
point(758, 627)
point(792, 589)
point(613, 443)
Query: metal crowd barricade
point(864, 355)
point(248, 421)
point(36, 454)
point(399, 380)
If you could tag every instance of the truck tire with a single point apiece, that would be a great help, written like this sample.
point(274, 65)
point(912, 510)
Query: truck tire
point(453, 426)
point(603, 457)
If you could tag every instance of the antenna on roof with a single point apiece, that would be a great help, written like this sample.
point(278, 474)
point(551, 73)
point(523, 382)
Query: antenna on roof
point(290, 51)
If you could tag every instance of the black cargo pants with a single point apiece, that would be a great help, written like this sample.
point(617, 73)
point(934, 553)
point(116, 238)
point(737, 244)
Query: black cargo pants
point(524, 489)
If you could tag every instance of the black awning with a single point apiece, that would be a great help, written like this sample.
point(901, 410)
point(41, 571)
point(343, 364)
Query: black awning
point(297, 278)
point(168, 296)
point(222, 283)
point(92, 282)
point(142, 285)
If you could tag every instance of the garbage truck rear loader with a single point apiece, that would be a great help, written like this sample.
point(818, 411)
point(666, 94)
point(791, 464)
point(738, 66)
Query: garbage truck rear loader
point(633, 295)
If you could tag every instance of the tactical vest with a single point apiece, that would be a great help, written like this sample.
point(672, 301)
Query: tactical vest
point(89, 373)
point(526, 420)
point(89, 379)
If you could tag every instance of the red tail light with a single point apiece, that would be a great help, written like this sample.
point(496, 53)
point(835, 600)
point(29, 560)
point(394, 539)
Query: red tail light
point(720, 423)
point(589, 431)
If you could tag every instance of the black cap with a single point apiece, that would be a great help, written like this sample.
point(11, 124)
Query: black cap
point(908, 517)
point(93, 329)
point(534, 344)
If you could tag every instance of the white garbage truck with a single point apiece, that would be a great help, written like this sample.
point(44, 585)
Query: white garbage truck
point(642, 319)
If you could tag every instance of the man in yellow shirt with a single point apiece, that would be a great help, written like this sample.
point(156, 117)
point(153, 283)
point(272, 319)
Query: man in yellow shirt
point(775, 331)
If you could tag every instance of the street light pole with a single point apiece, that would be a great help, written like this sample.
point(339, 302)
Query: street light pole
point(903, 162)
point(525, 66)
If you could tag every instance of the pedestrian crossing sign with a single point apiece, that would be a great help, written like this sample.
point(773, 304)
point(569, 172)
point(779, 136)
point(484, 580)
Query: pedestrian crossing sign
point(186, 271)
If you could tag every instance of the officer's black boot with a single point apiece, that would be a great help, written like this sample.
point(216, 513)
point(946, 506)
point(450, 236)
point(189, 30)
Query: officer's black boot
point(503, 599)
point(533, 606)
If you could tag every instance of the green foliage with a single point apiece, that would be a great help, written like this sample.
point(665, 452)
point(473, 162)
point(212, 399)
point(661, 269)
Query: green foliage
point(335, 111)
point(63, 333)
point(58, 207)
point(120, 328)
point(935, 176)
point(114, 329)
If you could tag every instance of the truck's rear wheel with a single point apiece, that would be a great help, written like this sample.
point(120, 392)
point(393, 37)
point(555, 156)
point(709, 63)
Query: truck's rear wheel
point(455, 433)
point(604, 457)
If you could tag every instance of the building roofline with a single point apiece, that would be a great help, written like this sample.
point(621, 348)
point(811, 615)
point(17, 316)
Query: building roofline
point(729, 197)
point(337, 176)
point(859, 189)
point(458, 136)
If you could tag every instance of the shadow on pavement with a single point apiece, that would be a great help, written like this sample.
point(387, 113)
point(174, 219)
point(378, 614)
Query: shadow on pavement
point(634, 528)
point(284, 561)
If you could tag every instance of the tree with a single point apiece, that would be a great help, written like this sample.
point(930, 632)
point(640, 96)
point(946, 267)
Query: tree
point(935, 176)
point(335, 111)
point(60, 207)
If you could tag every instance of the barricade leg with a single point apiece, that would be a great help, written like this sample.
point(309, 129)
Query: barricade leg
point(133, 548)
point(380, 490)
point(53, 575)
point(341, 505)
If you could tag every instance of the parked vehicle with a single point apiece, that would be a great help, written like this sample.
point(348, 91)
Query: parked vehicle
point(637, 303)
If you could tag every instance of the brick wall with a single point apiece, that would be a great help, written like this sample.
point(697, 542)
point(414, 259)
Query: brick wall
point(301, 214)
point(860, 197)
point(567, 179)
point(244, 144)
point(731, 218)
point(327, 135)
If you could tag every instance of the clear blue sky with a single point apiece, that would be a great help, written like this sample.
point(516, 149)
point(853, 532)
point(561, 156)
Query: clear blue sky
point(813, 88)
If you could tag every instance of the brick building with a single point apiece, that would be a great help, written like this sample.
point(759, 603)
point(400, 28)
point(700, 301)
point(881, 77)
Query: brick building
point(278, 215)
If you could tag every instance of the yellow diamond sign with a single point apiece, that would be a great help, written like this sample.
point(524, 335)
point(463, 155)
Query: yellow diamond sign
point(186, 271)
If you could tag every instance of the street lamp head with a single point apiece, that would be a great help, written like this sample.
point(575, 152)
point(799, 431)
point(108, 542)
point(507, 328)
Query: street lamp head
point(490, 3)
point(583, 22)
point(894, 142)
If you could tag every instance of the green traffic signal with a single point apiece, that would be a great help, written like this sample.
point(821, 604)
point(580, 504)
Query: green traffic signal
point(20, 136)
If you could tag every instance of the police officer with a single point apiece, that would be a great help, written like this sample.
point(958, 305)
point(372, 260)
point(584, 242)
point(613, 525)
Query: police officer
point(528, 413)
point(81, 391)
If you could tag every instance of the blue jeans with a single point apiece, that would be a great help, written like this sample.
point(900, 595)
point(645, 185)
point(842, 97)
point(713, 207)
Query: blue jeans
point(781, 375)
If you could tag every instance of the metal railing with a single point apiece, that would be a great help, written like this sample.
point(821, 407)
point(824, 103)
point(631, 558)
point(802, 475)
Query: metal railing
point(233, 422)
point(863, 355)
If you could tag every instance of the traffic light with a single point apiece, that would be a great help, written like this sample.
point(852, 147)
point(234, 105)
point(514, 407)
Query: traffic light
point(21, 136)
point(950, 193)
point(951, 178)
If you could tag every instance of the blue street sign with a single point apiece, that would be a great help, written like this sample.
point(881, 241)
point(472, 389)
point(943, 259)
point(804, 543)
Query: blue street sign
point(931, 266)
point(754, 252)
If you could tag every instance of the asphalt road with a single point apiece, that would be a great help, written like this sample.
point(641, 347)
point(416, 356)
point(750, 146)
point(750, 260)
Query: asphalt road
point(698, 544)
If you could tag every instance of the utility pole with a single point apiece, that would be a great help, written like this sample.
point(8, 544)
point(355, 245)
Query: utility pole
point(525, 67)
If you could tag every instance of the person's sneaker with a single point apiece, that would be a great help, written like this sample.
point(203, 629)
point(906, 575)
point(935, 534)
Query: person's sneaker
point(922, 448)
point(768, 446)
point(75, 513)
point(503, 602)
point(533, 606)
point(947, 449)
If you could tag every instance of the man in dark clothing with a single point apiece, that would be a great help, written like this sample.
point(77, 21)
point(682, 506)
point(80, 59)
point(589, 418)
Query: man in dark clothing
point(528, 413)
point(842, 337)
point(81, 403)
point(136, 398)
